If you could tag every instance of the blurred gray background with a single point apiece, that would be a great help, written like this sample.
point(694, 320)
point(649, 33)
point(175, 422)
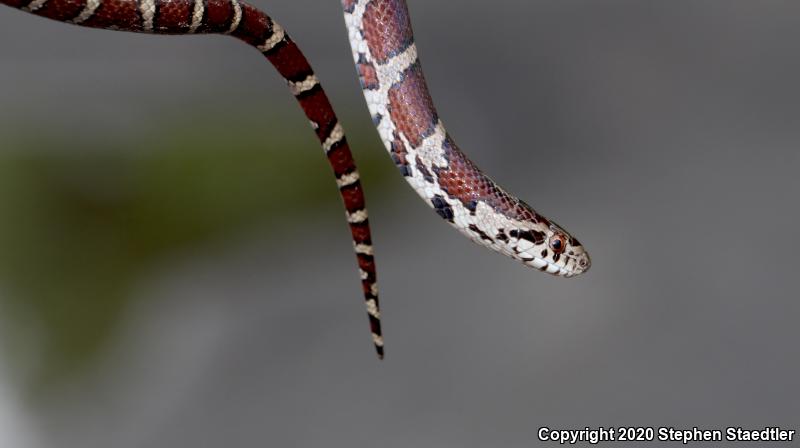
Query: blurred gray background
point(176, 271)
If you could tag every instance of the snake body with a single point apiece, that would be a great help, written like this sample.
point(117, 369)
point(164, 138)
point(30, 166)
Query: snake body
point(397, 95)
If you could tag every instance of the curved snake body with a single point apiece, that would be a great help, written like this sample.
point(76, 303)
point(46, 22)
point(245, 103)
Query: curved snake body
point(397, 96)
point(402, 109)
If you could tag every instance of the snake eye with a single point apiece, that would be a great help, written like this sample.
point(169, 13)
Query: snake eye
point(558, 243)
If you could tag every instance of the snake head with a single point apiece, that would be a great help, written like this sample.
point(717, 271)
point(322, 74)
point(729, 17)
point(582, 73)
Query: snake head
point(546, 246)
point(565, 256)
point(513, 228)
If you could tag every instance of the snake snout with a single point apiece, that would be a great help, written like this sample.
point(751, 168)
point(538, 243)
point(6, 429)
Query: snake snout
point(580, 261)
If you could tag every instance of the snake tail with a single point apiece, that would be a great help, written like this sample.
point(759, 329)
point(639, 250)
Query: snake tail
point(249, 24)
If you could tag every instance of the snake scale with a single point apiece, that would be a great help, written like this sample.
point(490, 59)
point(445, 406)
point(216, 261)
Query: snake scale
point(402, 110)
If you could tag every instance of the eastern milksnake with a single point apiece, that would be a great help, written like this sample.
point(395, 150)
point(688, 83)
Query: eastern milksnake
point(395, 90)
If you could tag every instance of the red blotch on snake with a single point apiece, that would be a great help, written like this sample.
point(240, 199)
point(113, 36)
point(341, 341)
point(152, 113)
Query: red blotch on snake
point(411, 107)
point(387, 29)
point(61, 10)
point(173, 17)
point(121, 14)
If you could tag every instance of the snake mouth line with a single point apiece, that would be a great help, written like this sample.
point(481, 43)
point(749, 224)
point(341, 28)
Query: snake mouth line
point(554, 269)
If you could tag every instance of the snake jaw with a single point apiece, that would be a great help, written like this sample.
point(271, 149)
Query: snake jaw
point(573, 261)
point(569, 266)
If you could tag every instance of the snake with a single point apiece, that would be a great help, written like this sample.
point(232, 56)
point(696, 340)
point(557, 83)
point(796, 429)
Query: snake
point(397, 96)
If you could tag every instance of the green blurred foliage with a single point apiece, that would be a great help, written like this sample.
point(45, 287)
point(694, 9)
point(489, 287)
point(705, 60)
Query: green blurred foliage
point(81, 220)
